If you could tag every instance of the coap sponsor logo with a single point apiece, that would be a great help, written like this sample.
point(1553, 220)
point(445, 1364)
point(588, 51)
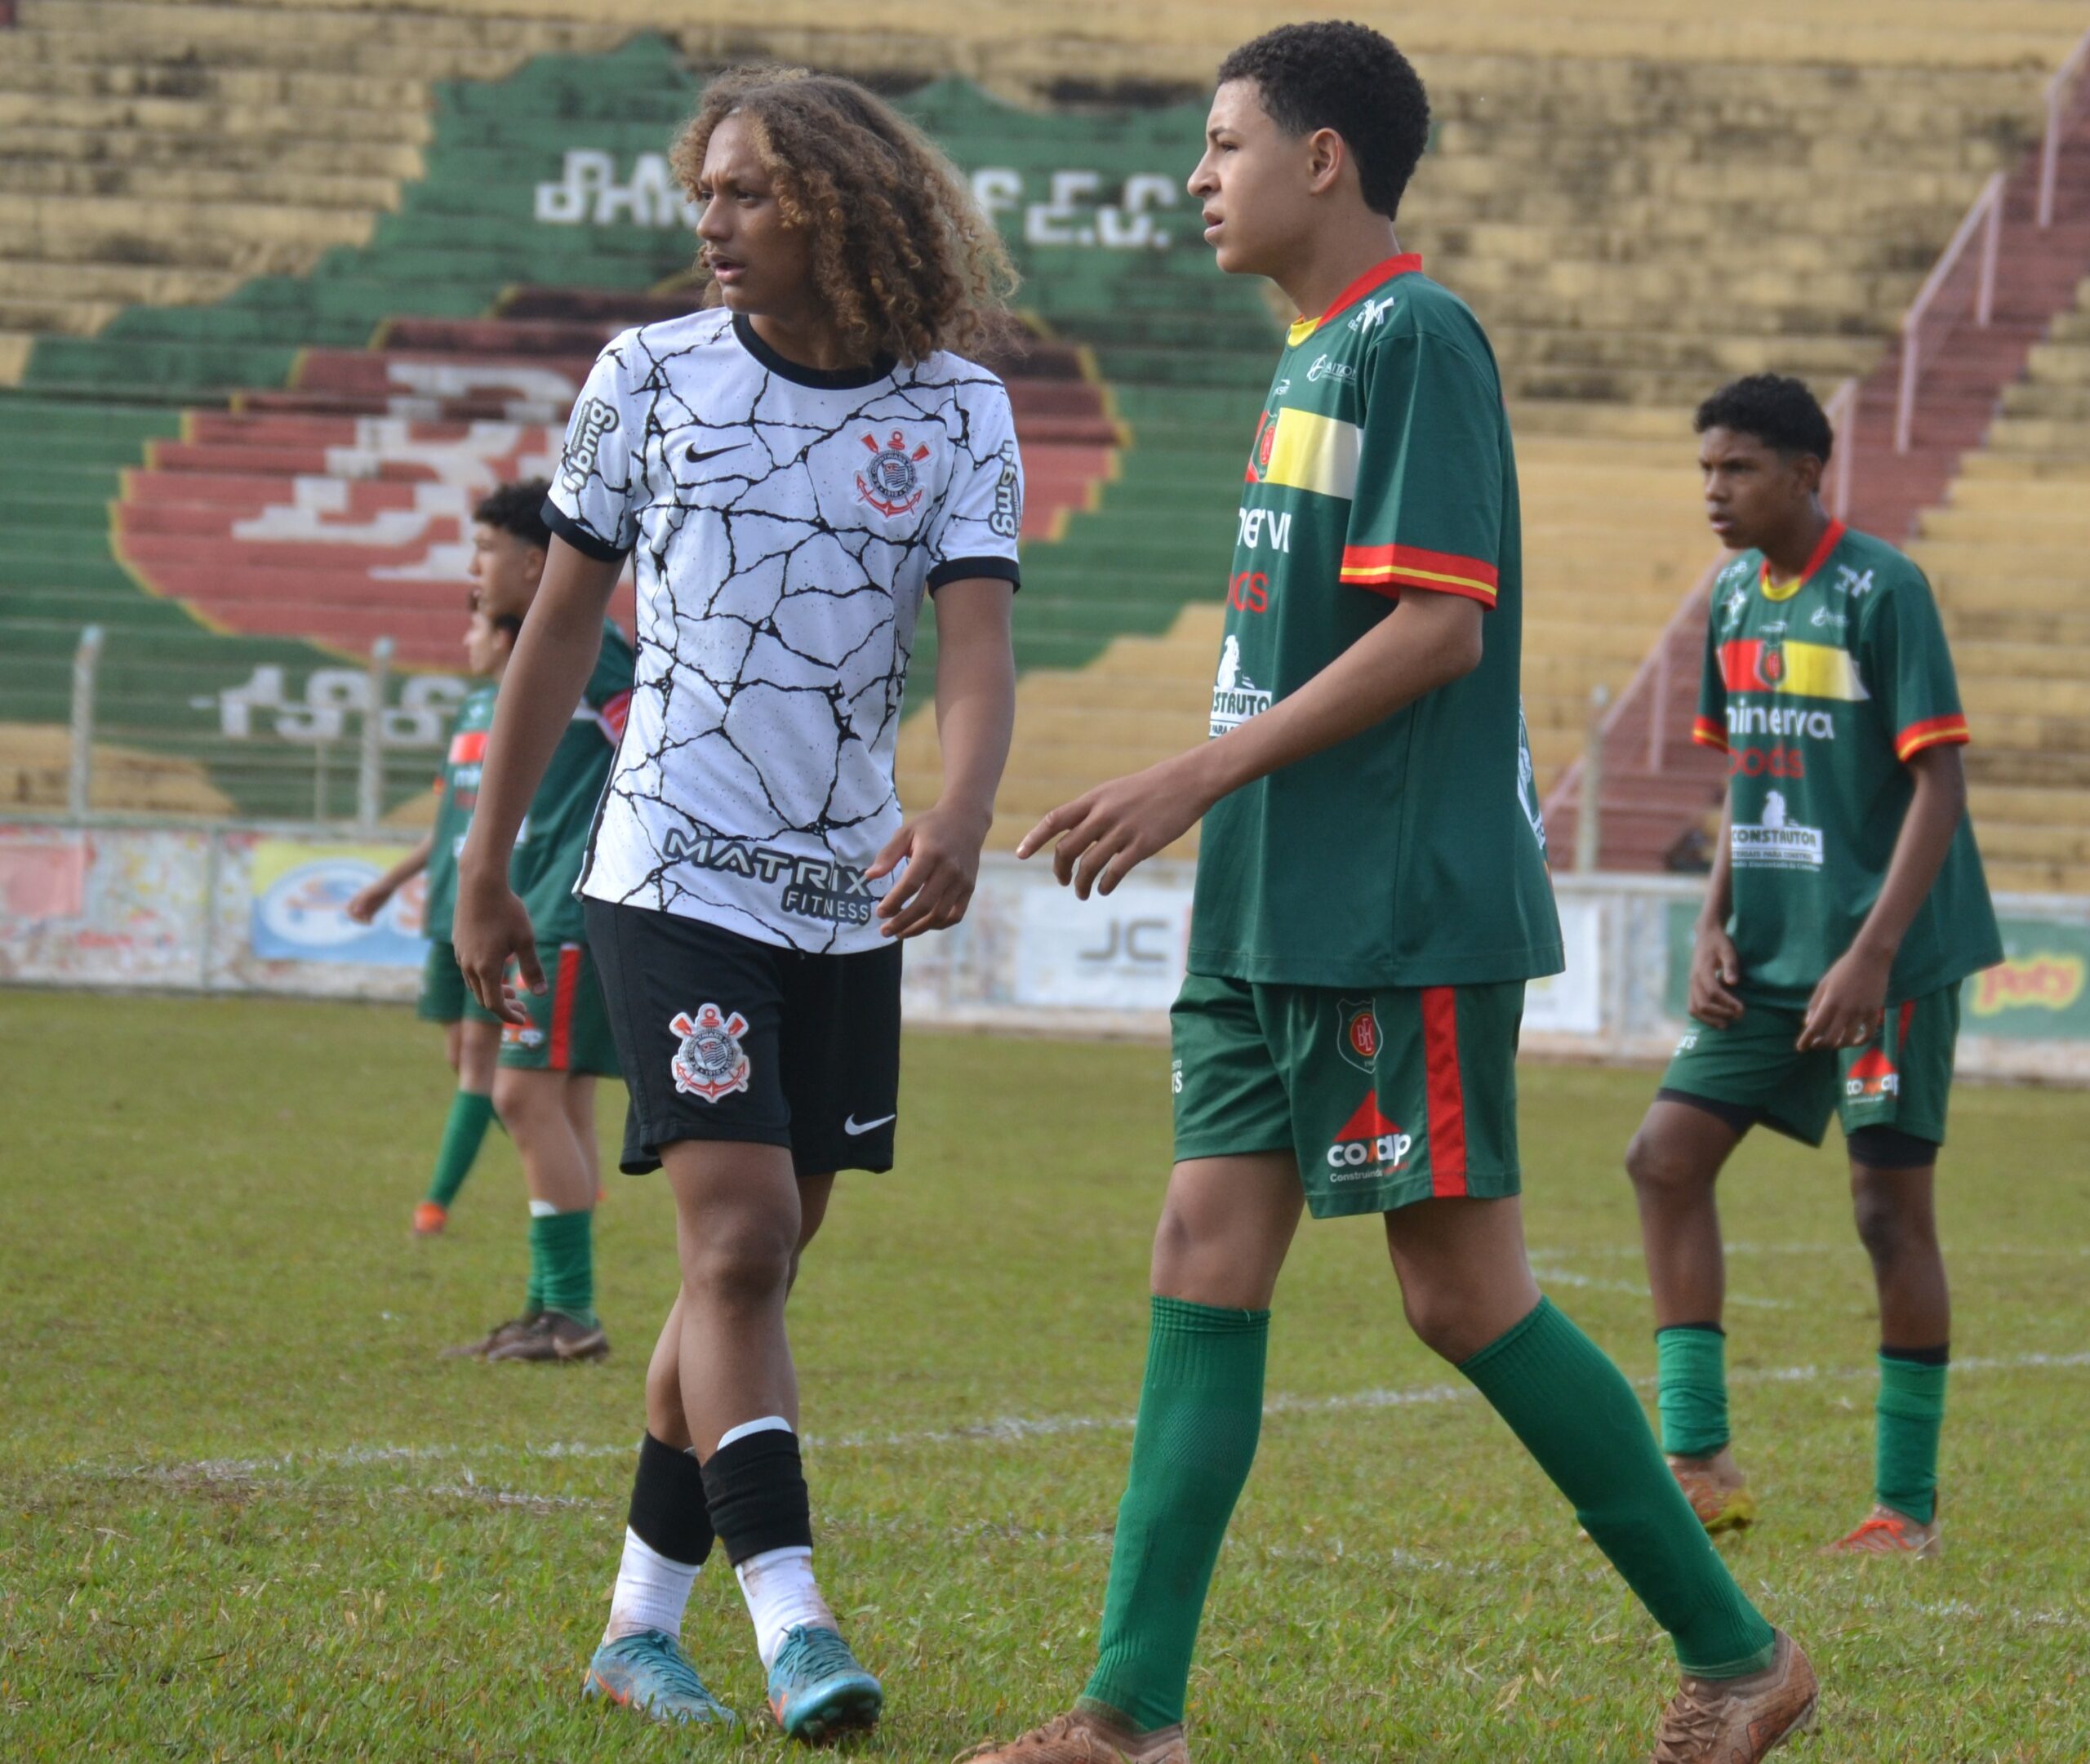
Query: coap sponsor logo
point(1369, 1146)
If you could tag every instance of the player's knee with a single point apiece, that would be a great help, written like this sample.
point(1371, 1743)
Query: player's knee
point(743, 1264)
point(516, 1099)
point(1888, 1230)
point(1187, 1244)
point(1655, 1168)
point(1443, 1318)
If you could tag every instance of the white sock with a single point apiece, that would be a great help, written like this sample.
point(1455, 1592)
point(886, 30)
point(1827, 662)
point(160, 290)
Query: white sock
point(782, 1595)
point(652, 1591)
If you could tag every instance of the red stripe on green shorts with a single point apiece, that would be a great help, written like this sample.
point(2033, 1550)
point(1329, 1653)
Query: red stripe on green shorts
point(563, 991)
point(1448, 1105)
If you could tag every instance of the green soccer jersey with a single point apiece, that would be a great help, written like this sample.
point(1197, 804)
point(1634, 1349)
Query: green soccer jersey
point(553, 843)
point(1819, 691)
point(456, 795)
point(1412, 854)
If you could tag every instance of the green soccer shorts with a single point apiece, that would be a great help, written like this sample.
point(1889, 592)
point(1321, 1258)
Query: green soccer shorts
point(569, 1027)
point(1901, 1078)
point(442, 986)
point(1385, 1097)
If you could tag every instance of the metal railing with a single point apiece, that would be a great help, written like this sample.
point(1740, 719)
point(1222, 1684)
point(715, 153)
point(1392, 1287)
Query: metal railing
point(1580, 786)
point(359, 741)
point(1950, 275)
point(1842, 411)
point(2062, 91)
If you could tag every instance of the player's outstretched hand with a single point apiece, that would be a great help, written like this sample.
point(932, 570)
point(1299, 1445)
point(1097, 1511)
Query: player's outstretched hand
point(941, 849)
point(366, 903)
point(1850, 1003)
point(1715, 971)
point(492, 929)
point(1104, 832)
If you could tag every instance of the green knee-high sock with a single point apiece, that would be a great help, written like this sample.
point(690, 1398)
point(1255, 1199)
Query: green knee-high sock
point(1579, 1418)
point(1692, 1381)
point(1911, 1414)
point(470, 1114)
point(1201, 1409)
point(562, 1261)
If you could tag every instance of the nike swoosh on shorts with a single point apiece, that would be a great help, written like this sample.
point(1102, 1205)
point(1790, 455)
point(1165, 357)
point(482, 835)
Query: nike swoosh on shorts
point(852, 1126)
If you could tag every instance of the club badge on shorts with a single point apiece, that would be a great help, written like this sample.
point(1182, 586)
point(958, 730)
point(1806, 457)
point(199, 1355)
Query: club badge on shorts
point(710, 1062)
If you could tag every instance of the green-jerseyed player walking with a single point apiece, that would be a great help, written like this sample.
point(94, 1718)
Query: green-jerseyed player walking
point(1846, 904)
point(471, 1041)
point(1370, 900)
point(539, 1075)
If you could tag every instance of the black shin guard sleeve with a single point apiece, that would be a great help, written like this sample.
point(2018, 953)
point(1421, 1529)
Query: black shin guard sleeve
point(669, 1511)
point(757, 1490)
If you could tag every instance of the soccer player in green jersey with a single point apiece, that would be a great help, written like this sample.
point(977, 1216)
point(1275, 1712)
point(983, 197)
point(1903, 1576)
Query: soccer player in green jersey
point(1371, 898)
point(545, 1069)
point(1846, 904)
point(472, 1041)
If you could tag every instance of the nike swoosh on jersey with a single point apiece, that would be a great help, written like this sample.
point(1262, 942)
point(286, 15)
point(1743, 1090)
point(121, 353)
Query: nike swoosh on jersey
point(695, 458)
point(852, 1126)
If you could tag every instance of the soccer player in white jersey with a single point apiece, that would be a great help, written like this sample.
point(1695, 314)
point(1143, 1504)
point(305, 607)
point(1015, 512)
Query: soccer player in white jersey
point(792, 471)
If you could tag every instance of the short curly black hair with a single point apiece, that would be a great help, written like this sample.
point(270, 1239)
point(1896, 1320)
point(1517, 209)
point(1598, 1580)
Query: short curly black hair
point(518, 509)
point(1347, 78)
point(1778, 411)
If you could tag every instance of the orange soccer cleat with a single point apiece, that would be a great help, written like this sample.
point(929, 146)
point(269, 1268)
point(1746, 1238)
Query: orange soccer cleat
point(1885, 1532)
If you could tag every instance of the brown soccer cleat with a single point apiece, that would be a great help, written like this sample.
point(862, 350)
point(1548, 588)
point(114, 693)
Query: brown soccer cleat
point(499, 1336)
point(555, 1336)
point(1886, 1532)
point(1086, 1737)
point(1717, 1490)
point(1738, 1721)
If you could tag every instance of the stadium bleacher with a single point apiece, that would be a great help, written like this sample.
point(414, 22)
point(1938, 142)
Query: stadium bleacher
point(224, 218)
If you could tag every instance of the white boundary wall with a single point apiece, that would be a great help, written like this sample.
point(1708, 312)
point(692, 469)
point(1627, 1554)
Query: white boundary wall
point(241, 907)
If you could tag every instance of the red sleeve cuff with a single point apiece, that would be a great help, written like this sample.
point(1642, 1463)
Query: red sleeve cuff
point(1708, 733)
point(1388, 569)
point(1935, 731)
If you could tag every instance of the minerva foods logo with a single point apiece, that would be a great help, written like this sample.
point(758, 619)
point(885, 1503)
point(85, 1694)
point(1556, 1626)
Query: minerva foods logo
point(1235, 698)
point(1777, 842)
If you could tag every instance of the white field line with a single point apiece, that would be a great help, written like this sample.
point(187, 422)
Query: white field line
point(1552, 1274)
point(1847, 1246)
point(1015, 1429)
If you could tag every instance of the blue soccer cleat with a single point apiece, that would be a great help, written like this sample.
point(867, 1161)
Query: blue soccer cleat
point(648, 1670)
point(816, 1689)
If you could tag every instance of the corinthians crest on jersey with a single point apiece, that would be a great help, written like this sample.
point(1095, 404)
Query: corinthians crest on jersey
point(892, 484)
point(709, 1059)
point(785, 525)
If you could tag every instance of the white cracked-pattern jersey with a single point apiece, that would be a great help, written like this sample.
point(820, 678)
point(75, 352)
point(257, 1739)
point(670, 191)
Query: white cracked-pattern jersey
point(784, 524)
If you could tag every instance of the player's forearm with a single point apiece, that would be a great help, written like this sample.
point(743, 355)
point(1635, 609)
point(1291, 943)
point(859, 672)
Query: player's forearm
point(1427, 641)
point(1919, 849)
point(411, 865)
point(975, 697)
point(543, 682)
point(1719, 886)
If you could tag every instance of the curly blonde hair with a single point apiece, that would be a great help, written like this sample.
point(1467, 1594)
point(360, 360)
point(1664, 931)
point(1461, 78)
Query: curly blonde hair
point(902, 257)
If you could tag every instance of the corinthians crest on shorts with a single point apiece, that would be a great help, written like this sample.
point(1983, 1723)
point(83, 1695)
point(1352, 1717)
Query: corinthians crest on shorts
point(710, 1062)
point(890, 483)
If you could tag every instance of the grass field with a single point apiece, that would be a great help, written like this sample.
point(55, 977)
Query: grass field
point(245, 1512)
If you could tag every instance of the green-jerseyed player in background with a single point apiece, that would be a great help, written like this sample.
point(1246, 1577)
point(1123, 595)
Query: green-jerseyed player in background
point(1847, 905)
point(543, 1072)
point(1370, 900)
point(472, 1039)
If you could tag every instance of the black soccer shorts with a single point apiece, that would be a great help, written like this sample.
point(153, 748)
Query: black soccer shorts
point(723, 1037)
